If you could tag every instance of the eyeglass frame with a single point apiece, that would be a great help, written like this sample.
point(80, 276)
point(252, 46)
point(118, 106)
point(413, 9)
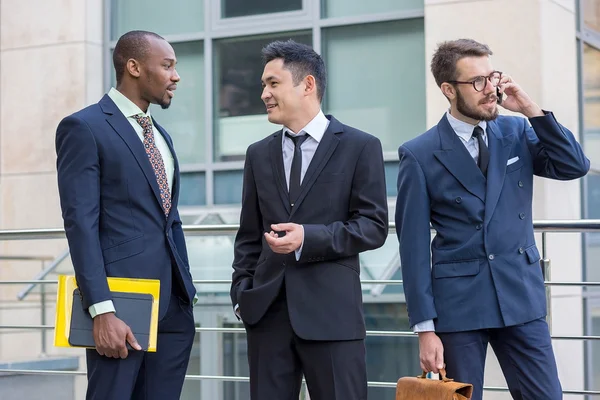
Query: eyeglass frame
point(487, 78)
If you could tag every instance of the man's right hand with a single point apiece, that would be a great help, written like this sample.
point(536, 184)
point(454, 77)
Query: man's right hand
point(431, 352)
point(111, 335)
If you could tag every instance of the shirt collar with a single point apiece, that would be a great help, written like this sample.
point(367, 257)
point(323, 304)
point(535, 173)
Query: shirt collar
point(126, 106)
point(315, 128)
point(464, 129)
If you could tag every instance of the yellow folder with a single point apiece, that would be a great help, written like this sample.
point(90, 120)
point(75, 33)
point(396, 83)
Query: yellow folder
point(64, 305)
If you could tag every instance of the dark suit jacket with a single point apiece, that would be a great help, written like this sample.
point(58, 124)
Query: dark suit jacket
point(111, 206)
point(484, 271)
point(343, 209)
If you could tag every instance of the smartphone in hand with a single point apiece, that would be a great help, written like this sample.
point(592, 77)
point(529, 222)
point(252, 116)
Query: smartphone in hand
point(498, 95)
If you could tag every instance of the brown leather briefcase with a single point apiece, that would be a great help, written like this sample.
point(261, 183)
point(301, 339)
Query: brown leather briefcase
point(421, 388)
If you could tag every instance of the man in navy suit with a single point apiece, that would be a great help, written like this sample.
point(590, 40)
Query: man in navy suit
point(118, 180)
point(314, 197)
point(471, 178)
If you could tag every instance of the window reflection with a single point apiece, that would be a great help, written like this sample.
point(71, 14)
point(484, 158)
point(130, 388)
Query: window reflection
point(241, 116)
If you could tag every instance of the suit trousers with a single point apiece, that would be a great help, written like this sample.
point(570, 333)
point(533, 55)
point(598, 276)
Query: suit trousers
point(142, 375)
point(278, 358)
point(524, 352)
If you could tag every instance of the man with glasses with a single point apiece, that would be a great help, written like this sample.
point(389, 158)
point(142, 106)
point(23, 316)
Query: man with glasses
point(471, 178)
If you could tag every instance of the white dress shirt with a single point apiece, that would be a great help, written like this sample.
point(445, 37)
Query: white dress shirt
point(464, 131)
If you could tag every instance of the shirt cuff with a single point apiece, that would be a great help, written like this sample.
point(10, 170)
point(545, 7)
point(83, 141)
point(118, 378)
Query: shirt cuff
point(299, 250)
point(103, 307)
point(195, 300)
point(236, 310)
point(425, 326)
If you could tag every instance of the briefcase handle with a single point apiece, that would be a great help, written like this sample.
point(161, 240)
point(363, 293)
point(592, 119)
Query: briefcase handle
point(442, 374)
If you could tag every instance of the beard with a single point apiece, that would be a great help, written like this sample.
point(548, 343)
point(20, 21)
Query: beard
point(474, 113)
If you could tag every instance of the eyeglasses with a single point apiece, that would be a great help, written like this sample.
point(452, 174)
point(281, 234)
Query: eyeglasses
point(480, 82)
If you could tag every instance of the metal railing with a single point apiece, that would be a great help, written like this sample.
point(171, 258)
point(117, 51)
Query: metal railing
point(547, 226)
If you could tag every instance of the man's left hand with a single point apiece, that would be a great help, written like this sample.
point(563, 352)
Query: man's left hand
point(517, 100)
point(294, 236)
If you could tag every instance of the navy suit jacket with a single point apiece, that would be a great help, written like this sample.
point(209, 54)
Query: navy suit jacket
point(111, 206)
point(483, 270)
point(343, 208)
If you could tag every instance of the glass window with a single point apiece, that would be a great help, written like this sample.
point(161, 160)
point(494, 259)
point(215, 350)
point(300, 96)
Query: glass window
point(228, 187)
point(193, 189)
point(591, 14)
point(382, 91)
point(383, 363)
point(241, 118)
point(184, 119)
point(345, 8)
point(177, 16)
point(391, 178)
point(244, 8)
point(235, 363)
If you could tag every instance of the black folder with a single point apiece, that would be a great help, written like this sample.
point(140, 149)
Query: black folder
point(135, 309)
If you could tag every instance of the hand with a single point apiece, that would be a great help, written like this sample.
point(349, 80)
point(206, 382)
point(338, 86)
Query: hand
point(517, 100)
point(111, 335)
point(431, 352)
point(294, 236)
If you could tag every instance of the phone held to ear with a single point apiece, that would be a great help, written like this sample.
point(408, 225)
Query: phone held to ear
point(498, 95)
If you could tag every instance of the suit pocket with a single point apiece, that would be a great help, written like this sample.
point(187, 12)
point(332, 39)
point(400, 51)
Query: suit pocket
point(129, 248)
point(533, 255)
point(331, 177)
point(455, 269)
point(514, 166)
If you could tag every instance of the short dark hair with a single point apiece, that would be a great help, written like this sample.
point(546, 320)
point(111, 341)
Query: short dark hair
point(133, 44)
point(301, 60)
point(443, 63)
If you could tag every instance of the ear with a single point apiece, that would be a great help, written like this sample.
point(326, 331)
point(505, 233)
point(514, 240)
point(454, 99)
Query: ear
point(133, 68)
point(448, 90)
point(310, 85)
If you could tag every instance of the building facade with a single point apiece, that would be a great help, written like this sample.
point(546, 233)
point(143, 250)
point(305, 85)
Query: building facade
point(377, 55)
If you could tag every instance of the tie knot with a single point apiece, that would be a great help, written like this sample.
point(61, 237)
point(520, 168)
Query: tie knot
point(478, 131)
point(297, 139)
point(142, 120)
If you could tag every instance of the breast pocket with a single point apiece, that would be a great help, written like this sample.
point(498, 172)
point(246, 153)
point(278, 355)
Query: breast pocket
point(331, 177)
point(122, 250)
point(515, 166)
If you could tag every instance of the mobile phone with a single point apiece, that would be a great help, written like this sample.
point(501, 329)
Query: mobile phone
point(498, 95)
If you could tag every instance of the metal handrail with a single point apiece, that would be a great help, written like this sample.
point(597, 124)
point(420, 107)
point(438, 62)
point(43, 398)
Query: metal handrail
point(243, 331)
point(61, 257)
point(224, 378)
point(575, 226)
point(560, 225)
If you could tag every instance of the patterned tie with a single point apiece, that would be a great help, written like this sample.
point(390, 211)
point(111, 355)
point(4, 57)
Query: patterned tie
point(156, 160)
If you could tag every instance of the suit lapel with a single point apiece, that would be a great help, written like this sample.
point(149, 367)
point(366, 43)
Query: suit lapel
point(276, 155)
point(124, 129)
point(324, 151)
point(175, 190)
point(457, 160)
point(499, 151)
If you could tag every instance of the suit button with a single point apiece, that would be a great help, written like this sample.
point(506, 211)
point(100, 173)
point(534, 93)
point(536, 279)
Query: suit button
point(478, 227)
point(521, 250)
point(520, 183)
point(459, 200)
point(522, 215)
point(491, 257)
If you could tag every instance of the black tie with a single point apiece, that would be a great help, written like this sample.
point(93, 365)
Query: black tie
point(484, 153)
point(296, 170)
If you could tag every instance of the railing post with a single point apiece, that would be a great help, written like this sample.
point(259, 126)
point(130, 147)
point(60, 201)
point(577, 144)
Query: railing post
point(547, 275)
point(43, 315)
